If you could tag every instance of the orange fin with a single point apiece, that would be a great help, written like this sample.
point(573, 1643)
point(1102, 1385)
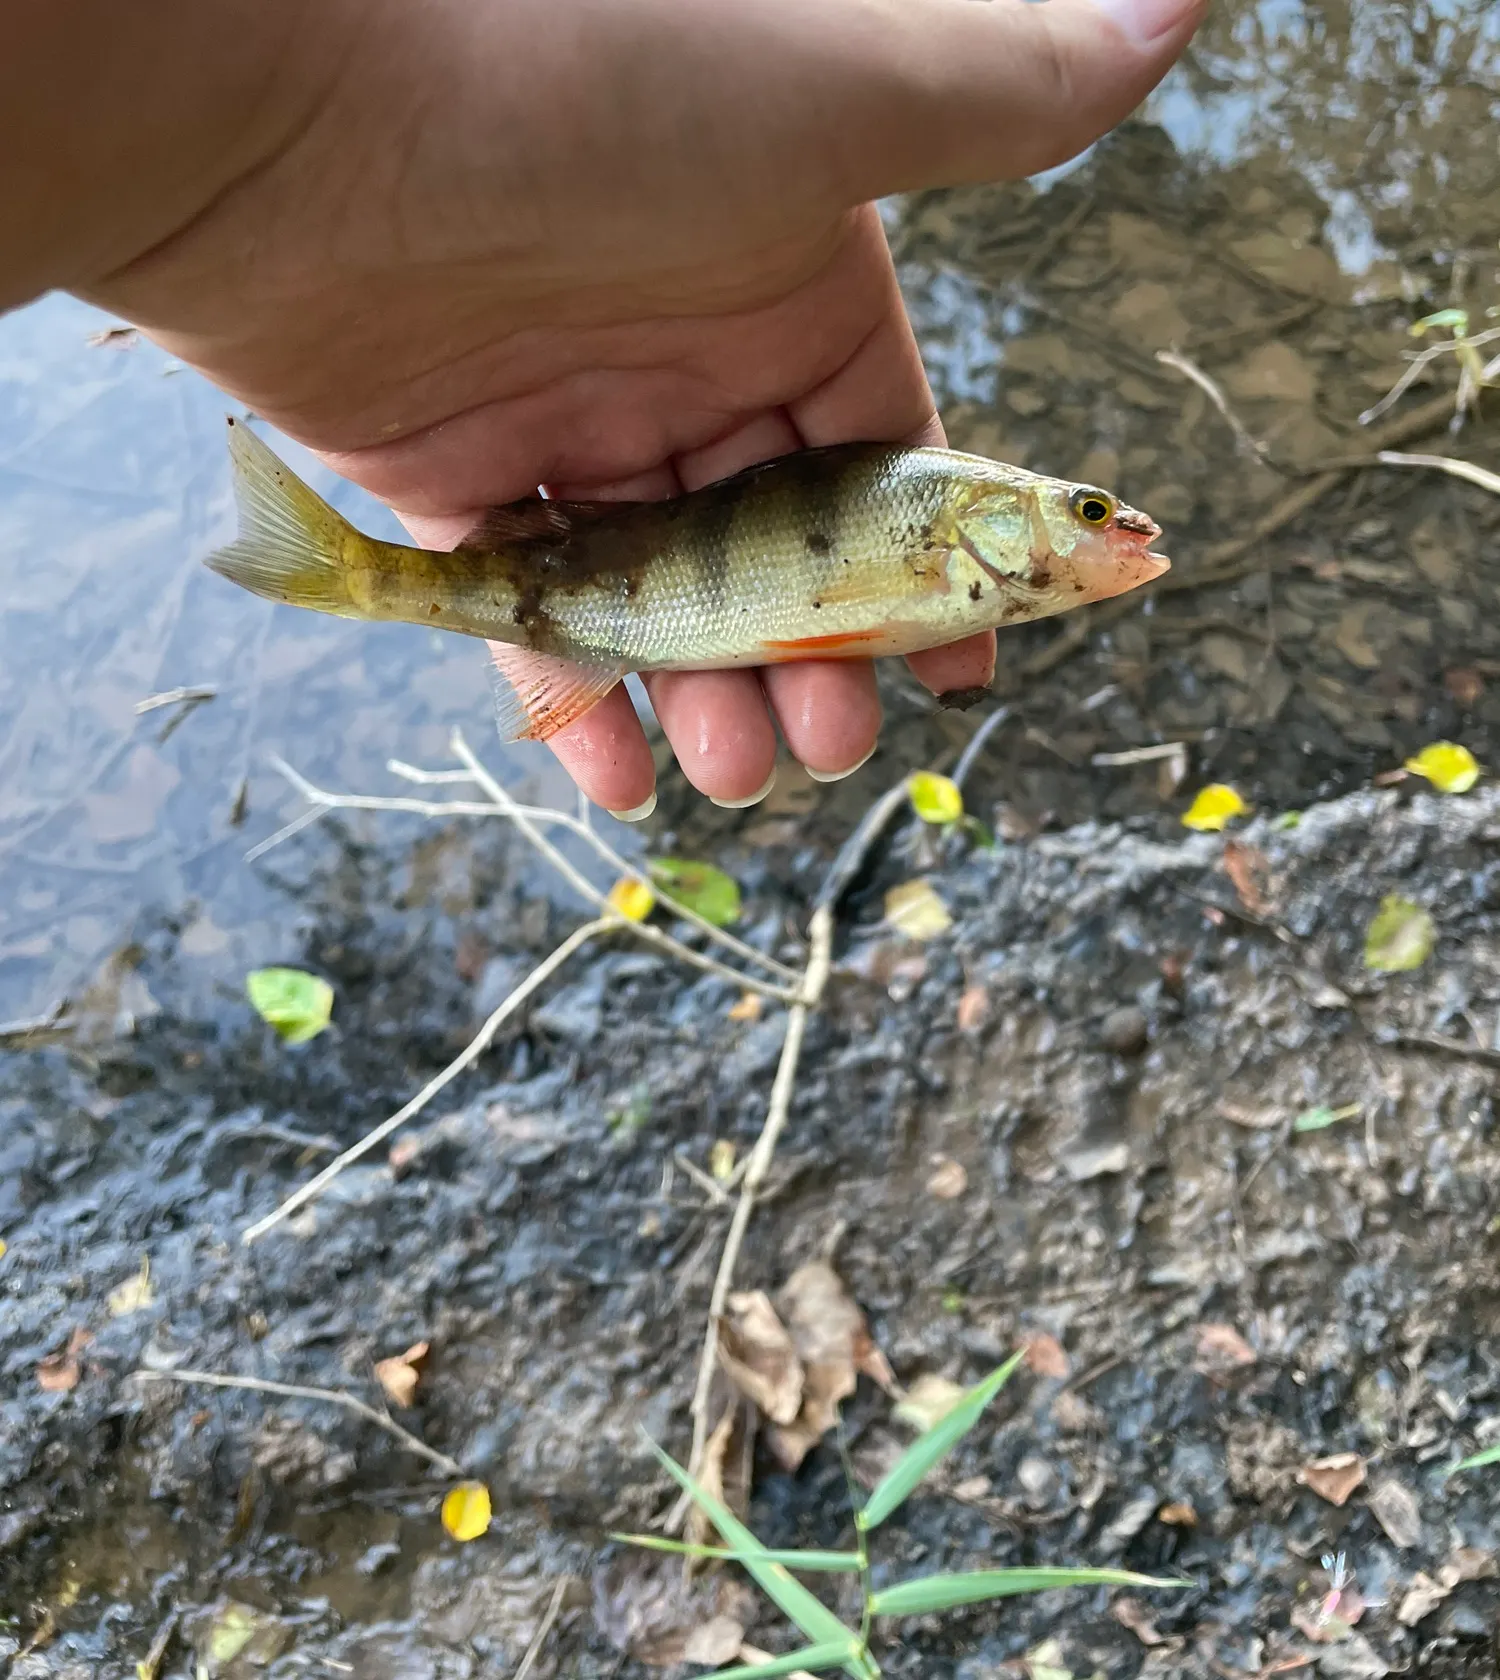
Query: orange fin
point(811, 646)
point(536, 695)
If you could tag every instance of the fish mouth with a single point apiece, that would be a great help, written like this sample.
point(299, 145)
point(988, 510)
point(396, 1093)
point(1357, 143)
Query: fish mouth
point(1137, 523)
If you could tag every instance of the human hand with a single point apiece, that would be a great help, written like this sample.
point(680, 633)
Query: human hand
point(623, 248)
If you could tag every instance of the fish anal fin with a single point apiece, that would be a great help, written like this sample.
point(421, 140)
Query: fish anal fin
point(536, 694)
point(536, 520)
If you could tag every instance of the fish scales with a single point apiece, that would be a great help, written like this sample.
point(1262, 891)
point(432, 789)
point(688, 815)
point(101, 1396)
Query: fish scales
point(855, 550)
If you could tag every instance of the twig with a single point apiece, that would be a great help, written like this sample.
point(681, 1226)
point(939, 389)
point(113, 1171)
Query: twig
point(1445, 1046)
point(1482, 476)
point(294, 1391)
point(969, 757)
point(1140, 755)
point(465, 1058)
point(758, 1164)
point(1251, 444)
point(544, 1627)
point(175, 697)
point(1419, 361)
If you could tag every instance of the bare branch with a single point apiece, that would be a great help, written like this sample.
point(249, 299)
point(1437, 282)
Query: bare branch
point(333, 1396)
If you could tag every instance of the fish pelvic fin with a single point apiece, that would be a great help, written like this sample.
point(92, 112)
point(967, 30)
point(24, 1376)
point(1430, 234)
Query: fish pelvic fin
point(292, 545)
point(536, 694)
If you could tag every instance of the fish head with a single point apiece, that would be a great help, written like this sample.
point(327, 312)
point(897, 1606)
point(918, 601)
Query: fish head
point(1054, 545)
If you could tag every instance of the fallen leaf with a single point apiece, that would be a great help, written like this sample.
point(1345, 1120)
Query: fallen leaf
point(1178, 1514)
point(59, 1372)
point(632, 899)
point(1045, 1662)
point(1045, 1356)
point(133, 1295)
point(650, 1608)
point(1333, 1478)
point(721, 1160)
point(233, 1629)
point(759, 1357)
point(1221, 1348)
point(934, 798)
point(715, 1642)
point(1131, 1613)
point(1400, 937)
point(1465, 685)
point(398, 1375)
point(1468, 1563)
point(928, 1401)
point(1212, 807)
point(915, 910)
point(725, 1471)
point(748, 1007)
point(1396, 1510)
point(466, 1510)
point(296, 1005)
point(714, 895)
point(1420, 1599)
point(834, 1345)
point(948, 1179)
point(1449, 767)
point(973, 1008)
point(1248, 868)
point(1320, 1116)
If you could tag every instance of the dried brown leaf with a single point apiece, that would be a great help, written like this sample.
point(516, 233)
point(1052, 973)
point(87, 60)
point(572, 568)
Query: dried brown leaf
point(1179, 1514)
point(1131, 1613)
point(760, 1357)
point(973, 1008)
point(398, 1375)
point(1221, 1348)
point(1045, 1356)
point(1249, 869)
point(725, 1471)
point(1467, 1563)
point(716, 1642)
point(1420, 1599)
point(1396, 1510)
point(1333, 1478)
point(59, 1372)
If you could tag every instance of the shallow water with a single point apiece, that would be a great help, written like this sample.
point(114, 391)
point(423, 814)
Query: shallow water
point(1310, 181)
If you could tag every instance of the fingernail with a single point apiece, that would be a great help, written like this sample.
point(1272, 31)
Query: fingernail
point(636, 813)
point(838, 775)
point(754, 799)
point(1145, 21)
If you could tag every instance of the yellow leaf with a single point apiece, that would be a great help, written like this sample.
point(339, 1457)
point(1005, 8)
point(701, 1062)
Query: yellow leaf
point(2, 1248)
point(935, 799)
point(1449, 767)
point(915, 909)
point(1213, 807)
point(132, 1295)
point(1400, 937)
point(748, 1008)
point(721, 1159)
point(466, 1510)
point(633, 899)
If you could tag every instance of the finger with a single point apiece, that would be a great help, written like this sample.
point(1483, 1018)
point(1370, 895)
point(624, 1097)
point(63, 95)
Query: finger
point(966, 664)
point(761, 438)
point(948, 91)
point(720, 731)
point(829, 713)
point(607, 755)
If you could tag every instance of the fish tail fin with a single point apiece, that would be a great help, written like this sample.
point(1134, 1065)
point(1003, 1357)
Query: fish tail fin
point(292, 545)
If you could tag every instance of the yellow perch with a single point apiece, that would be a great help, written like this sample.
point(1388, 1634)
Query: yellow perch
point(853, 551)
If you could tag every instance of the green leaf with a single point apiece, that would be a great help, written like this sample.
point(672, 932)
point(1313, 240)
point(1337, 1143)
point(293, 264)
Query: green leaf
point(297, 1005)
point(1287, 819)
point(699, 887)
point(934, 798)
point(795, 1602)
point(1400, 937)
point(812, 1658)
point(1457, 319)
point(1473, 1462)
point(809, 1562)
point(1317, 1118)
point(978, 833)
point(932, 1445)
point(977, 1586)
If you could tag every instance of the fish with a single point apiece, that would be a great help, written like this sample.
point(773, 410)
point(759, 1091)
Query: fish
point(855, 550)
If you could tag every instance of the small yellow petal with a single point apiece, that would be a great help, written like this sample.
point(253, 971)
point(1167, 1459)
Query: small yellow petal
point(633, 899)
point(1213, 807)
point(935, 799)
point(1449, 767)
point(466, 1510)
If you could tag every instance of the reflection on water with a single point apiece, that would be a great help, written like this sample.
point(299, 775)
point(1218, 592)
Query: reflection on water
point(1308, 176)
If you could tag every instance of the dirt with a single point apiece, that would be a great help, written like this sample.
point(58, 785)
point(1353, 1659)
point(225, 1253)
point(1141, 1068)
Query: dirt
point(1070, 1117)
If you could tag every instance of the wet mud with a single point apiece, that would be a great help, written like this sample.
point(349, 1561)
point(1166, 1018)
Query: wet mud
point(1071, 1116)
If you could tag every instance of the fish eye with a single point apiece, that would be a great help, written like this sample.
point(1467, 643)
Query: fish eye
point(1093, 507)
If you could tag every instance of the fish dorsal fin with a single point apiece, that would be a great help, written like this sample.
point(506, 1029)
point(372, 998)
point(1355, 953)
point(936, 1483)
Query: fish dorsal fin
point(534, 520)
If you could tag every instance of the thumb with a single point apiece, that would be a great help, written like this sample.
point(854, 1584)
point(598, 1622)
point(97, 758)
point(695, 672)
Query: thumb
point(961, 91)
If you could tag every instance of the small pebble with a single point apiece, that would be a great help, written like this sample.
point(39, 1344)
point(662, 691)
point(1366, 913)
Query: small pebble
point(1124, 1030)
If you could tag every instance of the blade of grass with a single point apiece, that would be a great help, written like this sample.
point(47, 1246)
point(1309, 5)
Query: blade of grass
point(809, 1562)
point(812, 1658)
point(932, 1445)
point(1488, 1456)
point(817, 1622)
point(975, 1586)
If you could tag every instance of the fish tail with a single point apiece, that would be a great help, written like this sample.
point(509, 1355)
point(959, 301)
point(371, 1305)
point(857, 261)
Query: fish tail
point(292, 545)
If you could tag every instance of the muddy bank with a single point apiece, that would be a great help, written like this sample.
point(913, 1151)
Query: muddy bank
point(1119, 1100)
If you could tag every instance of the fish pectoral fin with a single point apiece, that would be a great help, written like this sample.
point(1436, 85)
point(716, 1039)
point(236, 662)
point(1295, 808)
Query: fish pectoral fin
point(536, 695)
point(534, 519)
